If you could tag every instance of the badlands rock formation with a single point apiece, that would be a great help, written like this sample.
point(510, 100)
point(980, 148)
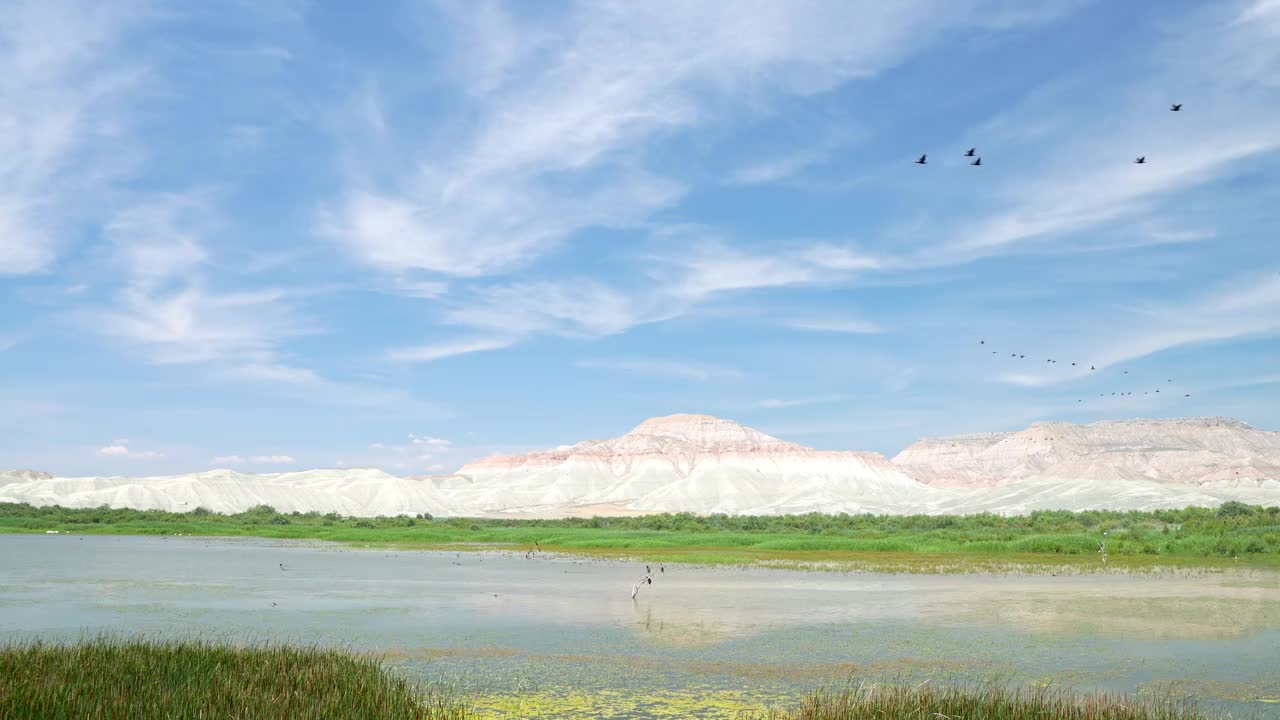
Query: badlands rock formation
point(701, 464)
point(1195, 451)
point(362, 491)
point(689, 463)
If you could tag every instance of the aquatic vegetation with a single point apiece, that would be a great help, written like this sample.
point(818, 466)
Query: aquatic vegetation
point(110, 678)
point(929, 701)
point(1043, 541)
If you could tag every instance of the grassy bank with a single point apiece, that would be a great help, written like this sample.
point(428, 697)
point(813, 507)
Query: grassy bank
point(929, 702)
point(111, 678)
point(1233, 533)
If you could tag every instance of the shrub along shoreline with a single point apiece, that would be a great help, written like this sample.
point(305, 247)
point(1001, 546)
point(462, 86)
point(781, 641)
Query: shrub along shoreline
point(118, 679)
point(1230, 534)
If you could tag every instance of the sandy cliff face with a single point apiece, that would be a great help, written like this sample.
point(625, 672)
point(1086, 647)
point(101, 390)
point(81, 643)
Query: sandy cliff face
point(1193, 451)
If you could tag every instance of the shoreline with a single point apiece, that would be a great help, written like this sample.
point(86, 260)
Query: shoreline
point(821, 562)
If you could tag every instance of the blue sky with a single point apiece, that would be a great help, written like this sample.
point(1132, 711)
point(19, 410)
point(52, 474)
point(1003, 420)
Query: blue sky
point(280, 235)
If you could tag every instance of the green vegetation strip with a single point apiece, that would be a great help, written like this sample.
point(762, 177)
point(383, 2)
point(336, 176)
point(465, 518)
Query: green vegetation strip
point(993, 702)
point(1234, 533)
point(116, 679)
point(112, 678)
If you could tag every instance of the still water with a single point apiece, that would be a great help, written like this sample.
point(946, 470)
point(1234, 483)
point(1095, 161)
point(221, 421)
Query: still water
point(523, 634)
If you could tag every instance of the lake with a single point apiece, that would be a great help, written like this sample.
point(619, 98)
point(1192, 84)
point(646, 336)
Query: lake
point(524, 634)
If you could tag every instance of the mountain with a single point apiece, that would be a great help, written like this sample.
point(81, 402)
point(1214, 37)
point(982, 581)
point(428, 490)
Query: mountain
point(362, 491)
point(1192, 451)
point(689, 463)
point(703, 464)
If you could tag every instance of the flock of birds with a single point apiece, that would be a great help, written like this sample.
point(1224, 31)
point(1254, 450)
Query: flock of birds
point(977, 161)
point(1121, 393)
point(1140, 160)
point(532, 554)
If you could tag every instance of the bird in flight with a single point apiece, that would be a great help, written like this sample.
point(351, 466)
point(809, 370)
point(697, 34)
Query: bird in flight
point(982, 342)
point(976, 162)
point(1141, 160)
point(970, 152)
point(921, 161)
point(1176, 107)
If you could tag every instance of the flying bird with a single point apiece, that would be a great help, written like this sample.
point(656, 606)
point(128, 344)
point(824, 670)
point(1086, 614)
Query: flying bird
point(970, 152)
point(982, 342)
point(1092, 367)
point(976, 162)
point(1176, 107)
point(921, 161)
point(1141, 161)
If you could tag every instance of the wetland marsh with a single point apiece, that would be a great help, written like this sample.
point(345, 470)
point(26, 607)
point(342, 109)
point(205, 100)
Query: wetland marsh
point(559, 636)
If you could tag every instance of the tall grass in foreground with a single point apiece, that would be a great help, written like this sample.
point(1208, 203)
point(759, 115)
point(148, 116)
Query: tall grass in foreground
point(109, 679)
point(987, 702)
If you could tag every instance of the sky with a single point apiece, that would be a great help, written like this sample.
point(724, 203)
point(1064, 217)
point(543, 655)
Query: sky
point(273, 236)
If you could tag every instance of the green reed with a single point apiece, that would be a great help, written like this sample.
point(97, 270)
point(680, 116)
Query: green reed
point(970, 702)
point(108, 678)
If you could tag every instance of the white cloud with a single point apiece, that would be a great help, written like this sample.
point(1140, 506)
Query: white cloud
point(435, 467)
point(560, 113)
point(160, 239)
point(377, 446)
point(168, 311)
point(120, 448)
point(428, 353)
point(273, 459)
point(576, 308)
point(429, 440)
point(228, 460)
point(665, 368)
point(1088, 178)
point(1243, 308)
point(774, 403)
point(193, 324)
point(61, 92)
point(851, 326)
point(277, 373)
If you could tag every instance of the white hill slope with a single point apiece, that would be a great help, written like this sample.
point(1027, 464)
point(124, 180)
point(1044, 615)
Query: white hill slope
point(1194, 451)
point(701, 464)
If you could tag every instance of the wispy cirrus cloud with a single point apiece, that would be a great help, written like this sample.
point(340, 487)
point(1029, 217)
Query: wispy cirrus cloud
point(559, 117)
point(439, 351)
point(777, 403)
point(674, 369)
point(1088, 179)
point(168, 311)
point(1246, 307)
point(62, 88)
point(849, 326)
